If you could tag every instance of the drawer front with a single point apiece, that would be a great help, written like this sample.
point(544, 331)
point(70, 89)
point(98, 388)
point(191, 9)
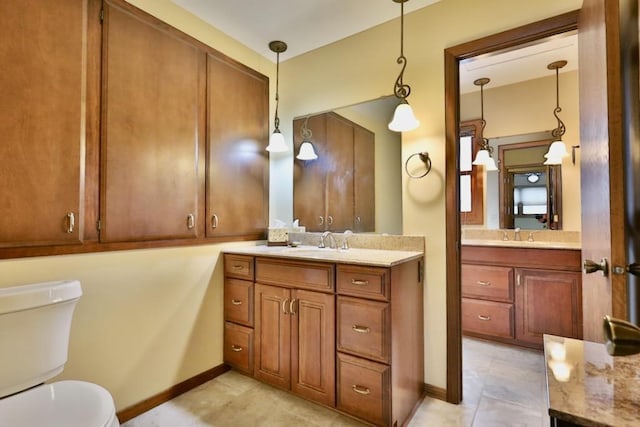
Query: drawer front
point(487, 318)
point(317, 276)
point(366, 282)
point(487, 282)
point(238, 347)
point(364, 389)
point(239, 266)
point(238, 301)
point(364, 328)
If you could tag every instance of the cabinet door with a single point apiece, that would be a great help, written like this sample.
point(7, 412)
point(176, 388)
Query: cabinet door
point(364, 192)
point(152, 173)
point(313, 346)
point(309, 176)
point(272, 335)
point(42, 121)
point(548, 302)
point(339, 173)
point(237, 124)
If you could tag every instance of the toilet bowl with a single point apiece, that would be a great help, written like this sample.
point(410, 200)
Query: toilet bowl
point(35, 321)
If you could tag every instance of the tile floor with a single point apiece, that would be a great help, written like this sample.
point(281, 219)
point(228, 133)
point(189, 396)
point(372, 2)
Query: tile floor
point(503, 386)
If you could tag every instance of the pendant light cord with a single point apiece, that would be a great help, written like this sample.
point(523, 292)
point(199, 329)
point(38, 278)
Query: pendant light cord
point(400, 89)
point(276, 120)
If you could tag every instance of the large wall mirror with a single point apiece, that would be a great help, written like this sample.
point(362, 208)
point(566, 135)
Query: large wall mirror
point(518, 107)
point(355, 183)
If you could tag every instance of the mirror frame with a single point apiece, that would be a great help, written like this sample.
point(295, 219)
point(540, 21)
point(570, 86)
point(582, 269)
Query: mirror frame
point(452, 57)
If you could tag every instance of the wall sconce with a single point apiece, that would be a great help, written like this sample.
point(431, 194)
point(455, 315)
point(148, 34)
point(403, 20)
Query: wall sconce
point(277, 143)
point(483, 157)
point(403, 118)
point(557, 149)
point(306, 148)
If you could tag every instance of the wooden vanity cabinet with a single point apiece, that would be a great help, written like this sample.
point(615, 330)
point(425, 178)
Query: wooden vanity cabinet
point(328, 195)
point(43, 121)
point(515, 295)
point(295, 326)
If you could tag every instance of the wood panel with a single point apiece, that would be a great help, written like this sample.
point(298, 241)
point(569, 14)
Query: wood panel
point(364, 190)
point(363, 281)
point(548, 259)
point(297, 274)
point(237, 171)
point(238, 266)
point(364, 328)
point(339, 173)
point(42, 121)
point(490, 318)
point(272, 360)
point(238, 347)
point(238, 301)
point(152, 126)
point(487, 282)
point(313, 346)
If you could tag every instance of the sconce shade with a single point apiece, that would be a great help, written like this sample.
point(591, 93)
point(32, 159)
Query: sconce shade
point(306, 152)
point(557, 151)
point(277, 143)
point(403, 119)
point(484, 159)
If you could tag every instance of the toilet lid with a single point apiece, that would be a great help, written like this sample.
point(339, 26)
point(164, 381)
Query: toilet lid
point(59, 404)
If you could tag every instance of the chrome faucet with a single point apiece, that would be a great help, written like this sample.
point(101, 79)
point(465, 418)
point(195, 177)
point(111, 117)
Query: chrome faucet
point(505, 236)
point(516, 235)
point(530, 238)
point(332, 240)
point(345, 240)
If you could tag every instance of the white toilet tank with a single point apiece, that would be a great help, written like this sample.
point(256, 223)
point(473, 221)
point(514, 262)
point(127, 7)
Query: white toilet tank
point(35, 321)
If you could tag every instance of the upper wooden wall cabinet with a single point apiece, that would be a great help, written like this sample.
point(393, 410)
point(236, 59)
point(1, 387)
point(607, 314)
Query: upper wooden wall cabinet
point(337, 190)
point(122, 132)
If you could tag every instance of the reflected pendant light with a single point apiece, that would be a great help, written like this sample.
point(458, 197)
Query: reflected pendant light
point(557, 149)
point(403, 118)
point(306, 148)
point(277, 143)
point(483, 157)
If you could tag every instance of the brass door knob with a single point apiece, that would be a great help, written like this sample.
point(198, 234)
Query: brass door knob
point(589, 266)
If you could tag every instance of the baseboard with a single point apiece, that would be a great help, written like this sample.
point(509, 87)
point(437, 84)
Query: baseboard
point(435, 392)
point(168, 394)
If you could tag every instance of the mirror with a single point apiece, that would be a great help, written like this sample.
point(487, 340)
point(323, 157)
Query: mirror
point(518, 107)
point(317, 203)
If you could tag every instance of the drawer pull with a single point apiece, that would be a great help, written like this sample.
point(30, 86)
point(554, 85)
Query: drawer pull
point(483, 283)
point(235, 348)
point(291, 305)
point(237, 267)
point(360, 389)
point(359, 282)
point(485, 318)
point(361, 329)
point(236, 302)
point(284, 306)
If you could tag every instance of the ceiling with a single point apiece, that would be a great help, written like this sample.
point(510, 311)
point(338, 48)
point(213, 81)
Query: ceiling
point(306, 25)
point(303, 24)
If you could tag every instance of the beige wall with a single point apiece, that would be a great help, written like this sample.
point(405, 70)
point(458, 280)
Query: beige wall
point(527, 107)
point(152, 318)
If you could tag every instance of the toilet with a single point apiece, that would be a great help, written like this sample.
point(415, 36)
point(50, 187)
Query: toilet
point(35, 321)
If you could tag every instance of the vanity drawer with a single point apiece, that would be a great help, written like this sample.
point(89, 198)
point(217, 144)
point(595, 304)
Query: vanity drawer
point(487, 282)
point(238, 301)
point(316, 276)
point(366, 282)
point(239, 266)
point(363, 389)
point(238, 347)
point(363, 328)
point(488, 318)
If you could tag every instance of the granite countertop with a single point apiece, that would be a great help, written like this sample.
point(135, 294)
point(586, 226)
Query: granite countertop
point(360, 256)
point(586, 386)
point(542, 239)
point(521, 244)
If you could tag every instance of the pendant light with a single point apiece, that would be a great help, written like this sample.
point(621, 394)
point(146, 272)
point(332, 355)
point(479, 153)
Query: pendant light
point(306, 148)
point(483, 157)
point(403, 117)
point(277, 143)
point(557, 149)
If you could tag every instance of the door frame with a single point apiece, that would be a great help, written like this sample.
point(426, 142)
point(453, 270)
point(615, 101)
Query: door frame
point(452, 56)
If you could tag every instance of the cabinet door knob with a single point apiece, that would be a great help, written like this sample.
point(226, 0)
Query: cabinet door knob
point(329, 220)
point(71, 222)
point(361, 329)
point(236, 302)
point(214, 221)
point(284, 305)
point(291, 306)
point(190, 221)
point(360, 389)
point(589, 266)
point(235, 348)
point(320, 220)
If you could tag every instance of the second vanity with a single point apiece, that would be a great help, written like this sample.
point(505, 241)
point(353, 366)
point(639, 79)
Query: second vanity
point(515, 291)
point(341, 328)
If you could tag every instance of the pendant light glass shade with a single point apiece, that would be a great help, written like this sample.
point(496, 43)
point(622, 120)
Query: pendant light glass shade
point(306, 152)
point(557, 151)
point(484, 159)
point(403, 119)
point(277, 143)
